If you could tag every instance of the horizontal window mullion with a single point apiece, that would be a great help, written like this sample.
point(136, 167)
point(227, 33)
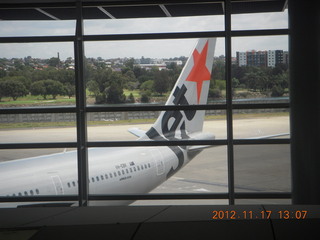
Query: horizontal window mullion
point(168, 196)
point(34, 5)
point(157, 143)
point(260, 141)
point(159, 196)
point(39, 198)
point(263, 195)
point(144, 3)
point(262, 32)
point(260, 105)
point(37, 39)
point(30, 110)
point(152, 196)
point(154, 108)
point(38, 145)
point(153, 36)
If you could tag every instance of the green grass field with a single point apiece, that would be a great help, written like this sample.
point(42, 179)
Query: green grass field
point(37, 100)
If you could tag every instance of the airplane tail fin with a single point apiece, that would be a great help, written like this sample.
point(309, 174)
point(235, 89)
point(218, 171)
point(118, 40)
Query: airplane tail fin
point(191, 88)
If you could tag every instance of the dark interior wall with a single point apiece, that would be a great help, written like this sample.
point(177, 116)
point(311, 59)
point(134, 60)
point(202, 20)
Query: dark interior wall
point(304, 46)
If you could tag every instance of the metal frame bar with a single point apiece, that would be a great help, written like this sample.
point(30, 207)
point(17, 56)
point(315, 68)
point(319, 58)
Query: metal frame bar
point(82, 148)
point(144, 36)
point(228, 63)
point(70, 4)
point(153, 196)
point(29, 110)
point(81, 109)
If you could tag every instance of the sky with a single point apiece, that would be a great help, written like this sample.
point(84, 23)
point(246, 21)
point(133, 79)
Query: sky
point(146, 48)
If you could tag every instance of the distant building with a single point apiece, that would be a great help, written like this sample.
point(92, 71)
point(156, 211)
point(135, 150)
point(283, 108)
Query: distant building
point(285, 57)
point(268, 58)
point(160, 66)
point(242, 59)
point(257, 58)
point(275, 57)
point(178, 62)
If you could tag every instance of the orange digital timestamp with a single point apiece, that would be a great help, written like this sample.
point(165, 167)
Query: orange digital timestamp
point(264, 214)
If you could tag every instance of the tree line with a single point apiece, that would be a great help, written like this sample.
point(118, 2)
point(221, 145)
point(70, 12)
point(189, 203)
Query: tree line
point(107, 85)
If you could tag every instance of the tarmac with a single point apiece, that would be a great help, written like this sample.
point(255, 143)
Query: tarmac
point(258, 168)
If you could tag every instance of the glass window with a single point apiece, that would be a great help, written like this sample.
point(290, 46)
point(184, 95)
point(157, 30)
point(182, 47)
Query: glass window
point(262, 168)
point(255, 21)
point(159, 25)
point(257, 123)
point(128, 73)
point(37, 28)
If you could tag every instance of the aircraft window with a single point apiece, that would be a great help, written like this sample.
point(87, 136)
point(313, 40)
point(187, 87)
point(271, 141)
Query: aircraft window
point(26, 193)
point(115, 174)
point(69, 184)
point(130, 169)
point(138, 168)
point(92, 180)
point(106, 175)
point(37, 191)
point(145, 166)
point(31, 192)
point(74, 184)
point(149, 165)
point(123, 172)
point(127, 170)
point(102, 178)
point(119, 173)
point(134, 168)
point(110, 175)
point(141, 167)
point(97, 178)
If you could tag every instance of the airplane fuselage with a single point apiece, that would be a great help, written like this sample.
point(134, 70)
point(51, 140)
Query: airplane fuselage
point(118, 170)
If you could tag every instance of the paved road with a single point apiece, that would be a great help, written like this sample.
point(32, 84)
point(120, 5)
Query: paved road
point(257, 168)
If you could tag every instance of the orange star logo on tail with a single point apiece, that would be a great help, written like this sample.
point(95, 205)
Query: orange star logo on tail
point(199, 73)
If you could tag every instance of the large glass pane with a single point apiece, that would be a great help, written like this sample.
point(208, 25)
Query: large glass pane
point(152, 25)
point(42, 127)
point(36, 74)
point(140, 170)
point(260, 70)
point(144, 71)
point(255, 21)
point(37, 172)
point(114, 126)
point(37, 28)
point(259, 123)
point(262, 168)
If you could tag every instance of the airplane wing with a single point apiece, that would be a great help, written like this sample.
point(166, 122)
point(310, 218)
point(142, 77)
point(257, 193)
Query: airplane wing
point(137, 132)
point(200, 147)
point(271, 136)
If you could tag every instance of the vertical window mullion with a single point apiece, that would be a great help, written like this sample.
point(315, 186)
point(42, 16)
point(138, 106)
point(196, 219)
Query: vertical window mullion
point(81, 110)
point(229, 101)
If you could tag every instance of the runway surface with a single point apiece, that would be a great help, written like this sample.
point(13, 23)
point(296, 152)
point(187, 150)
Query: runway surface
point(258, 168)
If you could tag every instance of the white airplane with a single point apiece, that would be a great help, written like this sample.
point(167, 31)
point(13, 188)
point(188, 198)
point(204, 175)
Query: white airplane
point(125, 170)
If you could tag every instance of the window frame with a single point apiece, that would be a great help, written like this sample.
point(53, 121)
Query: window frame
point(82, 144)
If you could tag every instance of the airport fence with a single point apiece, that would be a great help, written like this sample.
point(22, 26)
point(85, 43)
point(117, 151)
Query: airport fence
point(116, 116)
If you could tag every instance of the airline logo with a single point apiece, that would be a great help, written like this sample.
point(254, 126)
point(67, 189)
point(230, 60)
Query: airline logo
point(173, 124)
point(199, 72)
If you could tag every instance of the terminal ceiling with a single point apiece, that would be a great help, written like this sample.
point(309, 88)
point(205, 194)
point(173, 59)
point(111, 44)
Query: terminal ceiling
point(65, 10)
